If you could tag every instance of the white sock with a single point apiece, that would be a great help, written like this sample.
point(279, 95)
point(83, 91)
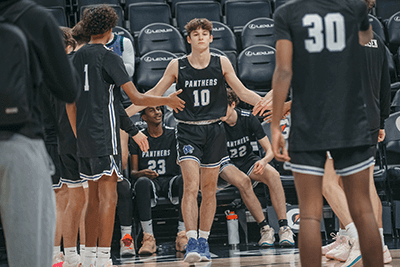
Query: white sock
point(89, 256)
point(352, 230)
point(382, 237)
point(204, 234)
point(56, 250)
point(71, 255)
point(103, 255)
point(343, 232)
point(181, 226)
point(82, 250)
point(191, 234)
point(147, 226)
point(125, 230)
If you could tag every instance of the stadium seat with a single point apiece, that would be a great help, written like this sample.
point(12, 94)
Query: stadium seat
point(117, 8)
point(186, 11)
point(377, 27)
point(395, 105)
point(128, 2)
point(256, 65)
point(143, 14)
point(59, 14)
point(174, 2)
point(223, 37)
point(160, 36)
point(96, 2)
point(278, 3)
point(151, 68)
point(394, 87)
point(239, 13)
point(393, 29)
point(392, 66)
point(230, 56)
point(386, 8)
point(52, 3)
point(258, 31)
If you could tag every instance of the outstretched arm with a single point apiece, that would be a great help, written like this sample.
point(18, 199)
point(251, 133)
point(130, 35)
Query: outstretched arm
point(237, 86)
point(281, 82)
point(169, 77)
point(269, 155)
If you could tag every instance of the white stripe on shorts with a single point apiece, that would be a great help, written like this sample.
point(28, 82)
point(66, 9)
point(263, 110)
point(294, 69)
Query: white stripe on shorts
point(304, 169)
point(356, 168)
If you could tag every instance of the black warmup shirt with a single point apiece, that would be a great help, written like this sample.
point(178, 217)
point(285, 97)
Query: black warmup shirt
point(328, 109)
point(101, 71)
point(240, 135)
point(376, 82)
point(161, 156)
point(204, 91)
point(49, 63)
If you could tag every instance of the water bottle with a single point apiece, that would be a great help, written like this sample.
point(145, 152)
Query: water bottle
point(233, 228)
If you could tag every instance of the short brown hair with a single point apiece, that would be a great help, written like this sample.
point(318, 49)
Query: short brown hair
point(232, 97)
point(79, 34)
point(195, 24)
point(68, 39)
point(99, 19)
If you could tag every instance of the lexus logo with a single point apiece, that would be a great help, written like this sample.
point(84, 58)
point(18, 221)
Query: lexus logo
point(156, 59)
point(261, 26)
point(259, 53)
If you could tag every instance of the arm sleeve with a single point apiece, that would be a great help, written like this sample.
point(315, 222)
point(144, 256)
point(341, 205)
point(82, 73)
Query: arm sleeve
point(363, 15)
point(384, 98)
point(281, 27)
point(115, 68)
point(126, 123)
point(128, 56)
point(256, 127)
point(133, 147)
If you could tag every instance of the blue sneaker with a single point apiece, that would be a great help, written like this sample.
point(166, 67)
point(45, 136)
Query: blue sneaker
point(192, 251)
point(204, 249)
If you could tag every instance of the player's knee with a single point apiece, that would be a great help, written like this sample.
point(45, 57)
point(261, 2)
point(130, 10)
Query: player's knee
point(123, 190)
point(143, 183)
point(244, 184)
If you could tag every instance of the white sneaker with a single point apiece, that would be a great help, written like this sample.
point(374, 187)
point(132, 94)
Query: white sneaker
point(58, 258)
point(355, 254)
point(286, 236)
point(109, 263)
point(267, 236)
point(327, 248)
point(127, 247)
point(387, 258)
point(341, 248)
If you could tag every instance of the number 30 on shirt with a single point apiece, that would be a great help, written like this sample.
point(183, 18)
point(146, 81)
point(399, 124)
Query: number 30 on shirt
point(328, 32)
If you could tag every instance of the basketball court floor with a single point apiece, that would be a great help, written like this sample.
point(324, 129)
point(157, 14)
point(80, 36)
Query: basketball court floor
point(251, 255)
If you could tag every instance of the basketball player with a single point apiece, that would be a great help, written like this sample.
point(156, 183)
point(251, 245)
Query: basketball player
point(156, 173)
point(200, 133)
point(97, 125)
point(245, 166)
point(321, 39)
point(376, 82)
point(81, 39)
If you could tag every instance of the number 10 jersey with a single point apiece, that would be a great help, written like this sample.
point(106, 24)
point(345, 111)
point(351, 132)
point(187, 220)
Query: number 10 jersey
point(204, 91)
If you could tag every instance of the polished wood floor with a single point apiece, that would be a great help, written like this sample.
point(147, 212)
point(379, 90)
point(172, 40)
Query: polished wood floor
point(281, 257)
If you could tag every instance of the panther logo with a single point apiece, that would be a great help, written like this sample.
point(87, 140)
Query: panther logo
point(188, 149)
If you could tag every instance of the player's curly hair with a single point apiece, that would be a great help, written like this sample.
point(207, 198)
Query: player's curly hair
point(99, 19)
point(196, 23)
point(79, 34)
point(68, 39)
point(232, 97)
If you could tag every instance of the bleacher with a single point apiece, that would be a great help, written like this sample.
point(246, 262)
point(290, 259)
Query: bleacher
point(242, 27)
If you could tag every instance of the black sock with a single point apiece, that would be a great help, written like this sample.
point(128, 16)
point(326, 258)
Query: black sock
point(282, 222)
point(262, 224)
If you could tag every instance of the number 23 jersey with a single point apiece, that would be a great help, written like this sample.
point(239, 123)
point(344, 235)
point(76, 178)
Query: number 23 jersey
point(161, 156)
